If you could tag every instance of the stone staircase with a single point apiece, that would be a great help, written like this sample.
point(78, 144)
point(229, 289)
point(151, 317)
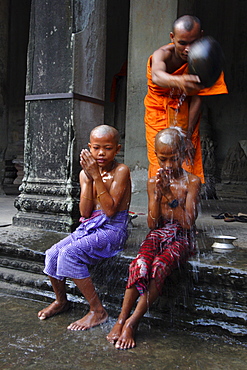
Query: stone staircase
point(207, 293)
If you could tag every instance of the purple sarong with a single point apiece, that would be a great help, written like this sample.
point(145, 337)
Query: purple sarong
point(95, 238)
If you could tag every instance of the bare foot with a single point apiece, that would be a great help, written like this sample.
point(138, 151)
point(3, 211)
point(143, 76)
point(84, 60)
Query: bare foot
point(116, 331)
point(53, 309)
point(93, 318)
point(126, 339)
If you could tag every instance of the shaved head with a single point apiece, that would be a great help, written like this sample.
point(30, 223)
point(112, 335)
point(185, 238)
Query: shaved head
point(186, 22)
point(172, 137)
point(103, 130)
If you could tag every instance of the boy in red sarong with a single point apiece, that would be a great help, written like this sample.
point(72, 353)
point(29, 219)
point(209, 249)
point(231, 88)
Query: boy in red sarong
point(173, 195)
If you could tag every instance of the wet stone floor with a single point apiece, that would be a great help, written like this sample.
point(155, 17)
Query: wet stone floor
point(27, 343)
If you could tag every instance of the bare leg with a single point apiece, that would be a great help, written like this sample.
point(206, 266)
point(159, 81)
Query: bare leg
point(97, 314)
point(61, 304)
point(130, 296)
point(126, 339)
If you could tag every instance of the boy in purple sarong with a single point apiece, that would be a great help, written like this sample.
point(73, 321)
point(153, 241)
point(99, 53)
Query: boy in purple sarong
point(104, 203)
point(173, 195)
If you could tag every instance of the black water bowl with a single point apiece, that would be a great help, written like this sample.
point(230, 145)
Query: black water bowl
point(206, 59)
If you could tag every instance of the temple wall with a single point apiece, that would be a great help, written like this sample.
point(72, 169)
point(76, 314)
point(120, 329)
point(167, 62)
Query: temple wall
point(150, 25)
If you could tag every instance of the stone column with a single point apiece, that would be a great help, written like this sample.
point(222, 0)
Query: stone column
point(4, 16)
point(64, 101)
point(150, 25)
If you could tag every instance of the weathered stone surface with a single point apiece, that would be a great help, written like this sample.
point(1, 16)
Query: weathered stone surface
point(64, 101)
point(50, 54)
point(235, 165)
point(199, 293)
point(4, 14)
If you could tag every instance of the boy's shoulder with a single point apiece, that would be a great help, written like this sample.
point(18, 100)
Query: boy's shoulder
point(193, 183)
point(121, 168)
point(119, 165)
point(193, 178)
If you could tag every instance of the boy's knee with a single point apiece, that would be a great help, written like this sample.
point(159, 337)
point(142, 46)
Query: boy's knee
point(159, 264)
point(140, 264)
point(160, 268)
point(66, 254)
point(51, 253)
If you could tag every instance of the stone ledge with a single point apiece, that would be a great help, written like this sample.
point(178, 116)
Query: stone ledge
point(194, 293)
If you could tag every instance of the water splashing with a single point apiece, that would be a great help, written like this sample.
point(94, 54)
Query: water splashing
point(180, 100)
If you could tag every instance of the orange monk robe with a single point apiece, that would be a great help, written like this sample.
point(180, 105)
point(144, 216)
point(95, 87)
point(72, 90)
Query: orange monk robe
point(167, 107)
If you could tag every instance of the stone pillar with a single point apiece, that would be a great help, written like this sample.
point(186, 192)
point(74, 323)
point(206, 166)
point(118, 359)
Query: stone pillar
point(150, 25)
point(4, 16)
point(64, 101)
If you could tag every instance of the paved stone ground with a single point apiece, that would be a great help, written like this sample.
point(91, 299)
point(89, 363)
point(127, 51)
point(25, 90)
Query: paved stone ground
point(28, 343)
point(7, 209)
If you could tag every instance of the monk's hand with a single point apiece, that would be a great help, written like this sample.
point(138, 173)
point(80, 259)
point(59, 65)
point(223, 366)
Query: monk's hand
point(190, 84)
point(88, 164)
point(189, 152)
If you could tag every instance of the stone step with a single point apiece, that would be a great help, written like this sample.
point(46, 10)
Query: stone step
point(197, 294)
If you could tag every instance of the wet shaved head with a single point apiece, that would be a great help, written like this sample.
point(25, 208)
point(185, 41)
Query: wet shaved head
point(172, 137)
point(186, 22)
point(103, 130)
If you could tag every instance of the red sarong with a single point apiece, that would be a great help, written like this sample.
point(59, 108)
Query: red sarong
point(162, 251)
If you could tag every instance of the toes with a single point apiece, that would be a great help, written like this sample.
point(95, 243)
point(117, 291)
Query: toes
point(76, 327)
point(124, 344)
point(118, 345)
point(112, 340)
point(41, 316)
point(71, 327)
point(121, 344)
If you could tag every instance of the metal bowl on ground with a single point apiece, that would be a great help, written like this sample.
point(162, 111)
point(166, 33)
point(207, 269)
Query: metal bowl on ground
point(223, 243)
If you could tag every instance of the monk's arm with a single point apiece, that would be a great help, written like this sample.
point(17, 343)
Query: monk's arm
point(194, 113)
point(160, 59)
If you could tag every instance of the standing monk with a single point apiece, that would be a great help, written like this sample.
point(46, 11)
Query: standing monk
point(174, 96)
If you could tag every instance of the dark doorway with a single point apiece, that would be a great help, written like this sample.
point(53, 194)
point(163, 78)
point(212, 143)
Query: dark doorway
point(17, 36)
point(116, 65)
